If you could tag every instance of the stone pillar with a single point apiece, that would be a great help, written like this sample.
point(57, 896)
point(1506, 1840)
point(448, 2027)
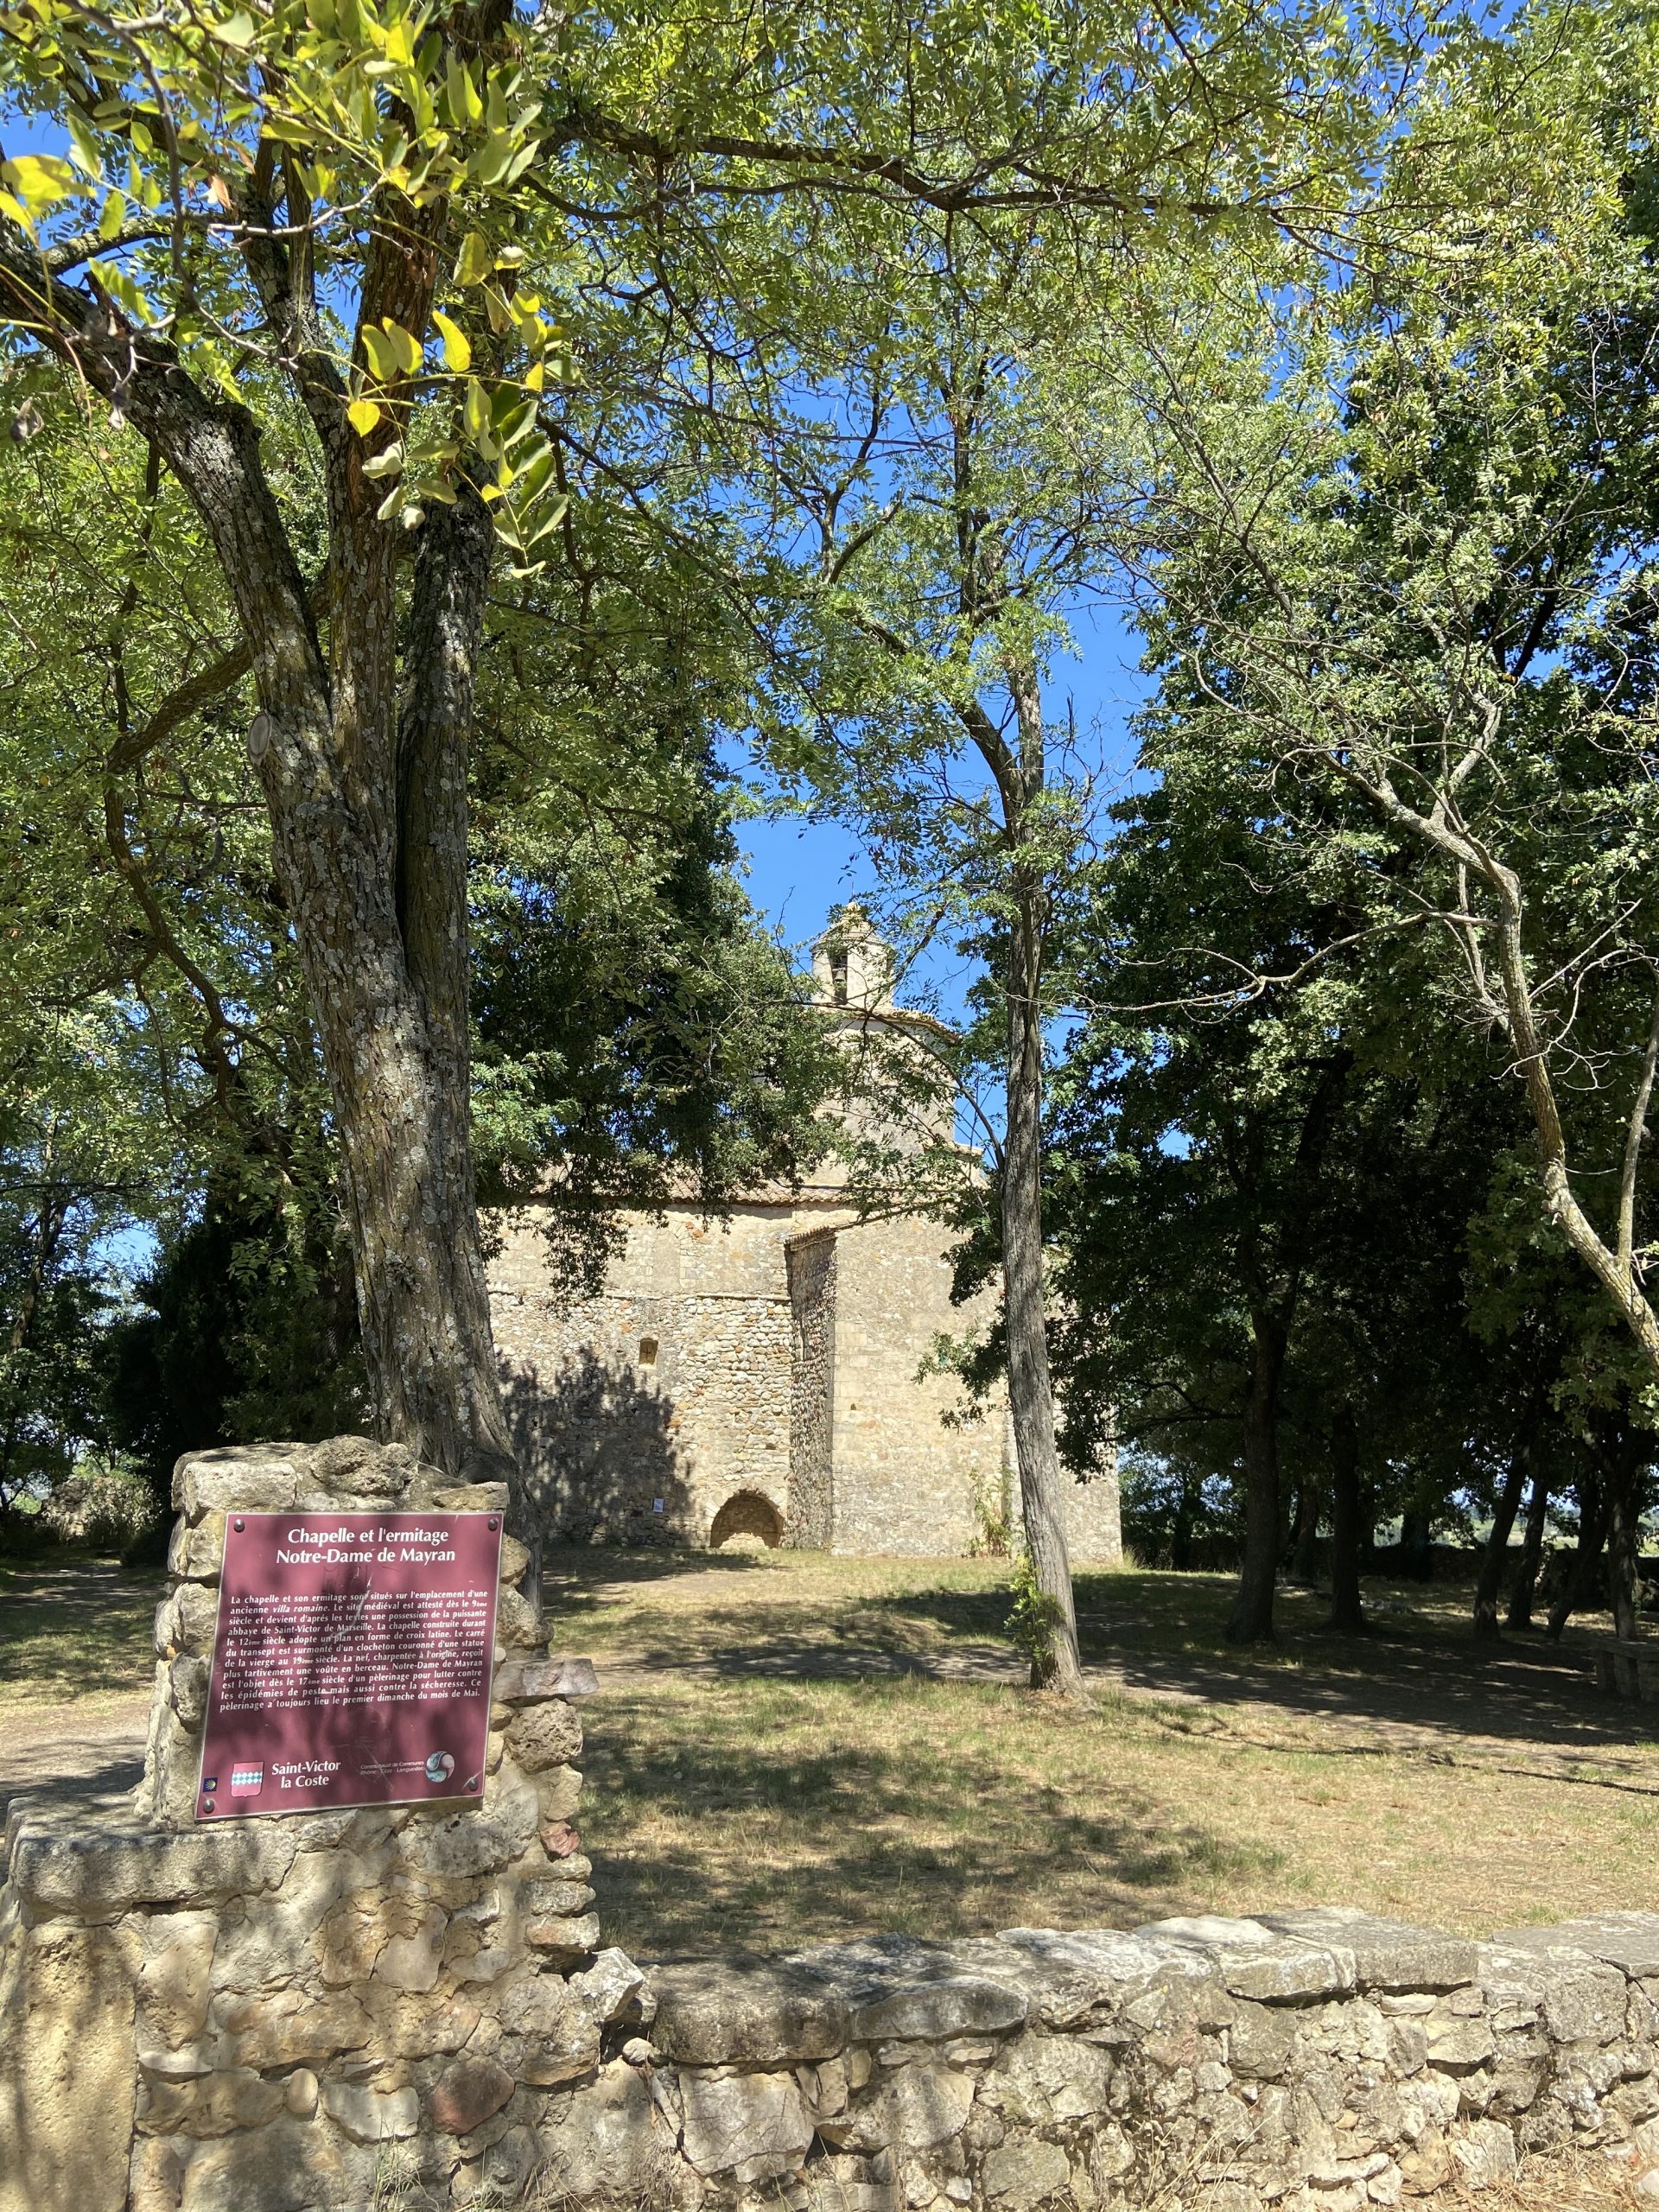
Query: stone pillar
point(301, 2010)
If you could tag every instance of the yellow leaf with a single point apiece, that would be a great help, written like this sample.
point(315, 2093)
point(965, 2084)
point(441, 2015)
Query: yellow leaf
point(404, 345)
point(382, 360)
point(475, 259)
point(39, 179)
point(363, 415)
point(457, 347)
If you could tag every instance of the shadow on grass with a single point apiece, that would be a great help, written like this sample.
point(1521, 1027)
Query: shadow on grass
point(1419, 1666)
point(802, 1813)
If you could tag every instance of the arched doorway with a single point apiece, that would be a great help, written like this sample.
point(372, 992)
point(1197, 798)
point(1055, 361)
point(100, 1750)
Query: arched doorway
point(746, 1514)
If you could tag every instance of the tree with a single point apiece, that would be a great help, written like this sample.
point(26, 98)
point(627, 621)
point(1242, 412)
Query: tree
point(1417, 573)
point(629, 1007)
point(351, 222)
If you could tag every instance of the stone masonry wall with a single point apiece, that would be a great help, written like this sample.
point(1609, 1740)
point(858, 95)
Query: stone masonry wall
point(384, 2010)
point(1319, 2061)
point(640, 1412)
point(905, 1482)
point(283, 2014)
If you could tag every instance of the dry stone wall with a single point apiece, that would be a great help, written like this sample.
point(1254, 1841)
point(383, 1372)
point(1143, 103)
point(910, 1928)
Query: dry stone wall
point(288, 2013)
point(1320, 2061)
point(381, 2009)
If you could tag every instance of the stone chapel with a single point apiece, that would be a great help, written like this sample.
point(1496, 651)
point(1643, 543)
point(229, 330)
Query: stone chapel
point(756, 1375)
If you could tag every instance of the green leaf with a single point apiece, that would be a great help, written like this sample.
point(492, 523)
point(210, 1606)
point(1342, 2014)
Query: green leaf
point(457, 347)
point(363, 415)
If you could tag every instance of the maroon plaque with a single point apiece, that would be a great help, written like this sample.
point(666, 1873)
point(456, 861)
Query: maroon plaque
point(353, 1661)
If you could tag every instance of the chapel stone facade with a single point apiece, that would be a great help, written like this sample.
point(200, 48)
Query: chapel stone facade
point(758, 1376)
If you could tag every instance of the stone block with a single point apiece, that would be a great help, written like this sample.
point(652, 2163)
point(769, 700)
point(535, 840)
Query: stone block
point(1046, 2078)
point(1028, 2171)
point(175, 1980)
point(98, 1872)
point(67, 2075)
point(211, 2104)
point(347, 1467)
point(555, 1900)
point(749, 2127)
point(614, 1989)
point(558, 1792)
point(197, 1554)
point(240, 1477)
point(1484, 2154)
point(286, 2027)
point(468, 2093)
point(412, 1957)
point(186, 1687)
point(925, 2106)
point(186, 1620)
point(416, 2026)
point(477, 1840)
point(544, 1736)
point(1457, 2040)
point(1578, 2000)
point(1629, 1940)
point(723, 2013)
point(373, 2115)
point(606, 2141)
point(557, 2037)
point(560, 1941)
point(1257, 1958)
point(1383, 1953)
point(518, 1625)
point(1260, 2040)
point(292, 2165)
point(524, 1681)
point(156, 2177)
point(953, 2006)
point(472, 1497)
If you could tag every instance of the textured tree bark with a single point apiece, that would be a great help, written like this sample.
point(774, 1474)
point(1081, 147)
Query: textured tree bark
point(1031, 1391)
point(366, 796)
point(1251, 1619)
point(1347, 1609)
point(1489, 1579)
point(1532, 1552)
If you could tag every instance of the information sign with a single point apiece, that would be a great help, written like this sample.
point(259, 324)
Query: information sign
point(352, 1663)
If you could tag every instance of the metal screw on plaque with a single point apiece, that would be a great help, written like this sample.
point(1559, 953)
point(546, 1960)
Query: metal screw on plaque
point(238, 1526)
point(494, 1523)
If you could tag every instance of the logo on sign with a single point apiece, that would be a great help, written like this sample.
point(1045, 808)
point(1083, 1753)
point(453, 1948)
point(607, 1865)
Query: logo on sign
point(248, 1779)
point(439, 1766)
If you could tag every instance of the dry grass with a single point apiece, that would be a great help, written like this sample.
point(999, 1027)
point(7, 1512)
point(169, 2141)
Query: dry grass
point(75, 1636)
point(791, 1748)
point(774, 1750)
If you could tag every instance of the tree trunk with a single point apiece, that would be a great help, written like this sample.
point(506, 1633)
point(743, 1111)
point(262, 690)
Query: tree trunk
point(1305, 1541)
point(1031, 1393)
point(1624, 1484)
point(1532, 1552)
point(1416, 1545)
point(366, 791)
point(1347, 1611)
point(1251, 1620)
point(1489, 1578)
point(1180, 1535)
point(1581, 1580)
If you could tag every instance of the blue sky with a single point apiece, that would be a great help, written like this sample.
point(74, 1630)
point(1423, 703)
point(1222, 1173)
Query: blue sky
point(798, 870)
